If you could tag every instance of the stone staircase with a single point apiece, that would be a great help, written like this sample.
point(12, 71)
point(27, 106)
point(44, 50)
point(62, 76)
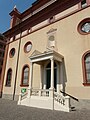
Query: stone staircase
point(42, 99)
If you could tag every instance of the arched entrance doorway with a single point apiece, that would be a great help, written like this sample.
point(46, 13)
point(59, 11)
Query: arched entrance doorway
point(48, 75)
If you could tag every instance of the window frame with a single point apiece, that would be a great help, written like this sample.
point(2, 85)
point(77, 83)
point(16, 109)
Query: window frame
point(85, 82)
point(22, 78)
point(26, 44)
point(82, 7)
point(7, 78)
point(10, 55)
point(86, 20)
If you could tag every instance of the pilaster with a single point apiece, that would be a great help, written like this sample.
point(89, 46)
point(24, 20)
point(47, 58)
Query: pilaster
point(30, 81)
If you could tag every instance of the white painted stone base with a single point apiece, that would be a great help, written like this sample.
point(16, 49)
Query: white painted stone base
point(43, 102)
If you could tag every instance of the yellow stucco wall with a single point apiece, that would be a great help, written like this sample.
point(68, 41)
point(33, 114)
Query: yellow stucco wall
point(70, 44)
point(11, 63)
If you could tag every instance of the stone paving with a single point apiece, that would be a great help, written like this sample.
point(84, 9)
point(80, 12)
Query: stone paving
point(9, 110)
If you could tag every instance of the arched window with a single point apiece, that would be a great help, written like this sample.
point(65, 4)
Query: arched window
point(9, 76)
point(86, 68)
point(25, 76)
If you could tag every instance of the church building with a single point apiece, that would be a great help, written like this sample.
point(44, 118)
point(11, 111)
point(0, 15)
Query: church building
point(48, 54)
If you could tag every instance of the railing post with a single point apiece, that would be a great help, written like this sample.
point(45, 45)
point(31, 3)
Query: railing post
point(67, 103)
point(19, 101)
point(40, 92)
point(29, 93)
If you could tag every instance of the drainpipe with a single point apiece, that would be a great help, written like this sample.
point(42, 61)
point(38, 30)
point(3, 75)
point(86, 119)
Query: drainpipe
point(17, 64)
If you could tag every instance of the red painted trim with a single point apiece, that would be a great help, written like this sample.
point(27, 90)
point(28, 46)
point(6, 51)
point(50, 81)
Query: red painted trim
point(84, 69)
point(15, 12)
point(15, 15)
point(76, 11)
point(26, 65)
point(88, 2)
point(24, 85)
point(79, 6)
point(34, 7)
point(86, 84)
point(52, 10)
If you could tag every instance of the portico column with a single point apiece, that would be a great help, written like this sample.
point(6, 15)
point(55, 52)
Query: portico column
point(51, 93)
point(61, 76)
point(58, 78)
point(52, 73)
point(44, 83)
point(41, 80)
point(30, 80)
point(41, 69)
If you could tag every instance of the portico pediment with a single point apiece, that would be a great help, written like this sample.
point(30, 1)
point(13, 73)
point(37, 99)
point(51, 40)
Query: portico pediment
point(38, 56)
point(36, 52)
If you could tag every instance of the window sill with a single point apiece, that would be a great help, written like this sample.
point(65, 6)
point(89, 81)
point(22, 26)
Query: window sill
point(7, 85)
point(82, 7)
point(24, 85)
point(86, 84)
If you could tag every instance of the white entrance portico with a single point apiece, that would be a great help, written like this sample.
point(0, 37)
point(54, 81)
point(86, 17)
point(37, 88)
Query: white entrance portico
point(42, 59)
point(48, 94)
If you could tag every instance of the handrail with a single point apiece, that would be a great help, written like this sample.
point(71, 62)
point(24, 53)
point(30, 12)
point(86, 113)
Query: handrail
point(69, 95)
point(23, 95)
point(59, 98)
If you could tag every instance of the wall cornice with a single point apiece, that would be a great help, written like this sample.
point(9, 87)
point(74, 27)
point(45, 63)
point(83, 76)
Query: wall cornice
point(41, 16)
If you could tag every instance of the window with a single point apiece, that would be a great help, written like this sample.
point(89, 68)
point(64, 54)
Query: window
point(84, 26)
point(25, 76)
point(86, 68)
point(83, 3)
point(8, 79)
point(28, 47)
point(12, 52)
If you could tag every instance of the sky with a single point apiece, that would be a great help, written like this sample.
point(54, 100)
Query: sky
point(6, 6)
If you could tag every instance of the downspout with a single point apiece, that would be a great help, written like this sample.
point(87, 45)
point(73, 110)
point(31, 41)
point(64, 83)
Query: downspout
point(17, 64)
